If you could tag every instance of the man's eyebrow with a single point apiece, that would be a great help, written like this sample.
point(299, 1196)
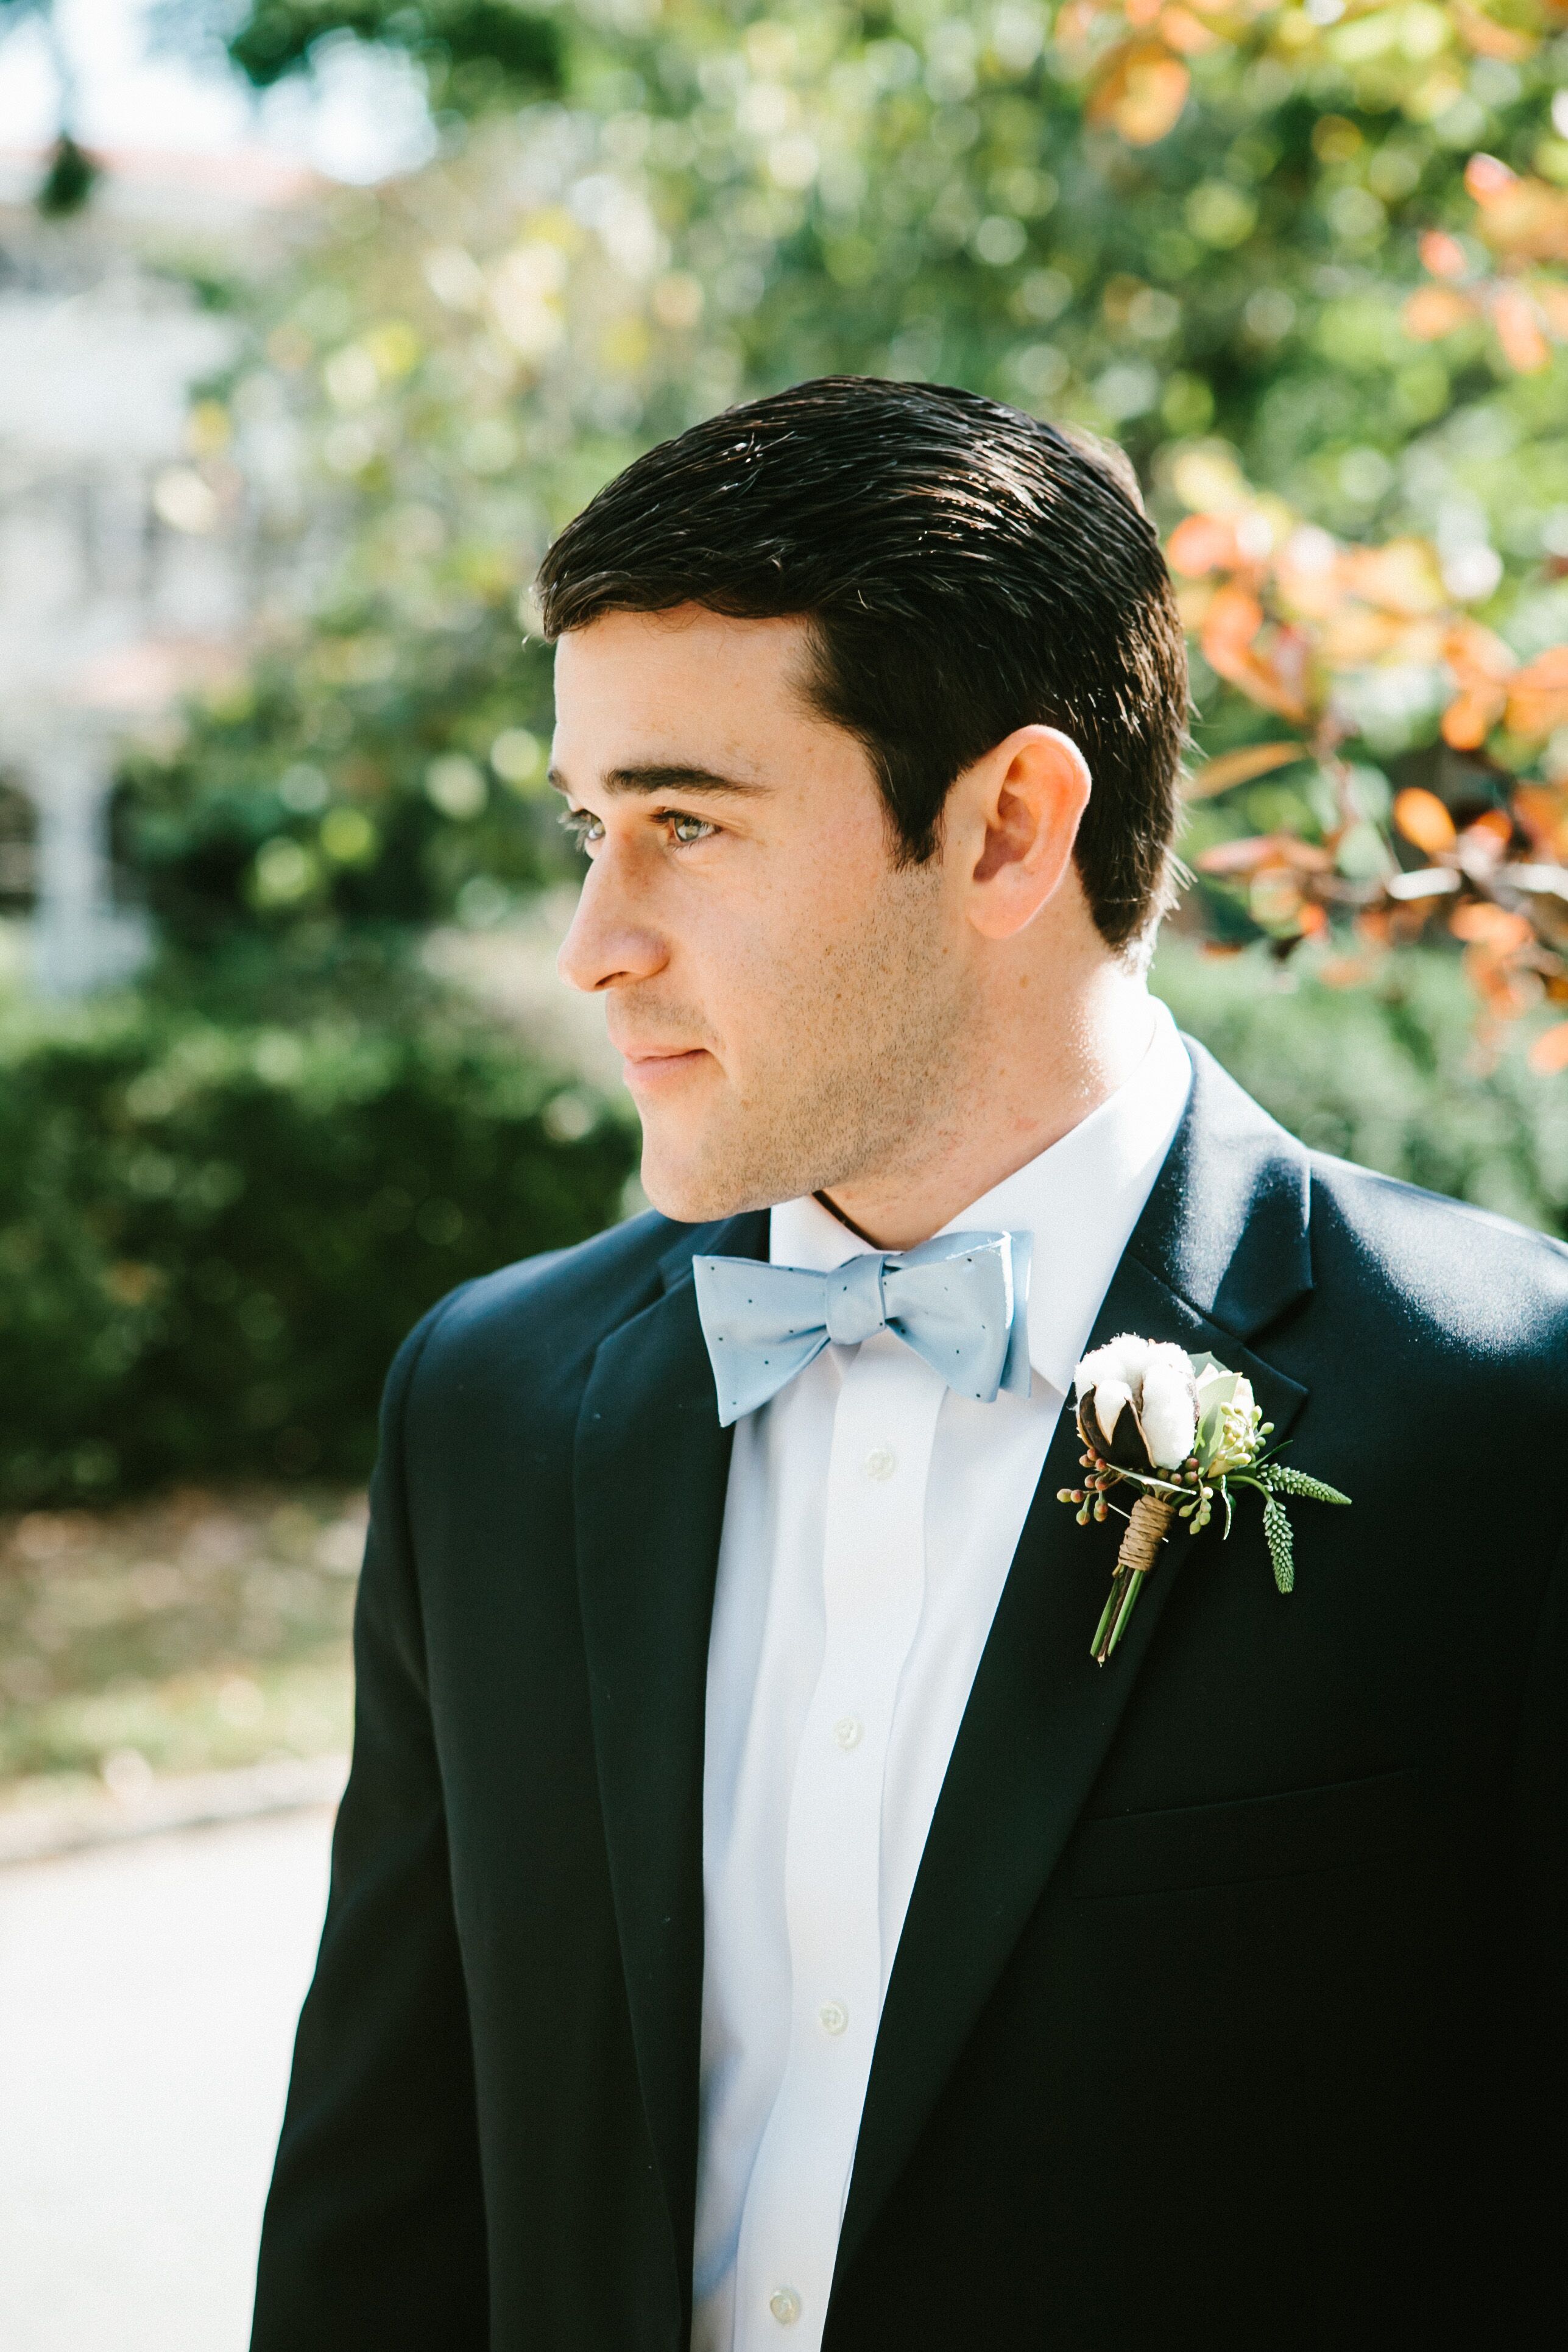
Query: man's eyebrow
point(658, 780)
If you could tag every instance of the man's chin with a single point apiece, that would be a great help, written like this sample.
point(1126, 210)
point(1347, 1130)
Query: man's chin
point(699, 1188)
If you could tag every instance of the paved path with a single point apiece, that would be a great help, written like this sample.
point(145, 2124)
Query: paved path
point(148, 1995)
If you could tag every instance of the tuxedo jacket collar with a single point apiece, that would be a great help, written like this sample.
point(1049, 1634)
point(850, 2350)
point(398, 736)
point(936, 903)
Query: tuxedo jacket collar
point(650, 1474)
point(1220, 1252)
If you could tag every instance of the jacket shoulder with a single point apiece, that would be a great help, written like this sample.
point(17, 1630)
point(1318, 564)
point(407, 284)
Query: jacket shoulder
point(1462, 1276)
point(543, 1316)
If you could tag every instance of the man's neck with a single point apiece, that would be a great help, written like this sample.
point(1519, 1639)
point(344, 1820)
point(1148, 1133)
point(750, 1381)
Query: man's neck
point(1023, 1099)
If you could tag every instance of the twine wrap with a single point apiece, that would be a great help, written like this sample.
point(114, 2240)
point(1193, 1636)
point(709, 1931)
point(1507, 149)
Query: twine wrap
point(1147, 1526)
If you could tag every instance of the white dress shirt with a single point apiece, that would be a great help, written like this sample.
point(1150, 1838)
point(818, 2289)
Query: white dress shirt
point(869, 1522)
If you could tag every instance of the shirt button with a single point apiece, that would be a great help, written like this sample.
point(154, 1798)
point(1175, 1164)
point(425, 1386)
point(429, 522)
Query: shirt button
point(784, 2305)
point(880, 1463)
point(847, 1731)
point(832, 2017)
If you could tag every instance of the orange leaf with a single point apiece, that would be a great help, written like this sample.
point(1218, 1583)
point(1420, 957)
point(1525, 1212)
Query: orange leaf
point(1274, 677)
point(1469, 718)
point(1185, 34)
point(1355, 636)
point(1526, 219)
point(1489, 833)
point(1549, 1052)
point(1142, 94)
point(1505, 990)
point(1524, 346)
point(1547, 673)
point(1400, 577)
point(1476, 654)
point(1487, 179)
point(1261, 853)
point(1489, 39)
point(1347, 972)
point(1483, 925)
point(1241, 767)
point(1538, 694)
point(1235, 618)
point(1423, 819)
point(1432, 312)
point(1076, 22)
point(1544, 817)
point(1201, 543)
point(1443, 254)
point(1552, 301)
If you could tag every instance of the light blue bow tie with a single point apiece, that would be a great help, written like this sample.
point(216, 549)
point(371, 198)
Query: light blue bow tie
point(959, 1301)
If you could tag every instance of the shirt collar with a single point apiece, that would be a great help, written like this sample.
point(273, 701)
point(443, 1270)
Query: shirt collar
point(1079, 1199)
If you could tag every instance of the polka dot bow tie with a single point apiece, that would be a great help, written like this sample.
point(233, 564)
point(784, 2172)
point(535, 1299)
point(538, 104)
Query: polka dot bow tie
point(959, 1301)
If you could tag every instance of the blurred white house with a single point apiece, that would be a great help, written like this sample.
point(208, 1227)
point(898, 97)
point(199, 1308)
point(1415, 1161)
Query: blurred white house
point(139, 530)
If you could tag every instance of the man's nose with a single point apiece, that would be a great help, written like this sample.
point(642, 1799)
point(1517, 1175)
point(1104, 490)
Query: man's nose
point(606, 946)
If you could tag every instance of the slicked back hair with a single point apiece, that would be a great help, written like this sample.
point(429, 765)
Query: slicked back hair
point(964, 568)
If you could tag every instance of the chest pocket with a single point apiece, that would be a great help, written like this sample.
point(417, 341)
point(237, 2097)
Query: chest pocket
point(1339, 1826)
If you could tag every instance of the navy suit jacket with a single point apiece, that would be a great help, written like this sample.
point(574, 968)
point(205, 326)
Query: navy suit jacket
point(1229, 2007)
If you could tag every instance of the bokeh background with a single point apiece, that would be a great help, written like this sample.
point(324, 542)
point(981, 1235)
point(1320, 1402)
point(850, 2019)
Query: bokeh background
point(316, 319)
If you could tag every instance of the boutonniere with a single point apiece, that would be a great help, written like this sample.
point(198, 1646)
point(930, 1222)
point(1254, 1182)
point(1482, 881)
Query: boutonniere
point(1185, 1431)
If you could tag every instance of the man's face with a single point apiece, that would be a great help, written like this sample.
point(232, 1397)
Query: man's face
point(786, 997)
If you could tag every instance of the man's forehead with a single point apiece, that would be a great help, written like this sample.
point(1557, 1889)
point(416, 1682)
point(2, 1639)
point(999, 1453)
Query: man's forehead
point(691, 693)
point(655, 656)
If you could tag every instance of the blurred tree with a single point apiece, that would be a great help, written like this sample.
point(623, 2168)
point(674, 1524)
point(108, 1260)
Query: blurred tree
point(70, 173)
point(1306, 262)
point(474, 52)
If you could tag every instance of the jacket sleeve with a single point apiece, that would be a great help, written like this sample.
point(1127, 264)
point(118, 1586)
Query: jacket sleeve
point(1530, 2144)
point(374, 2228)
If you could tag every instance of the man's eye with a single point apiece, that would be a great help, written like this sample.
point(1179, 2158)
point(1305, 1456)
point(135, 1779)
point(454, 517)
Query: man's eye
point(587, 831)
point(687, 829)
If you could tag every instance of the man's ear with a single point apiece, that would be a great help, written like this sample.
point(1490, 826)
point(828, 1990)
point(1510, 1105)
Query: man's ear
point(1024, 802)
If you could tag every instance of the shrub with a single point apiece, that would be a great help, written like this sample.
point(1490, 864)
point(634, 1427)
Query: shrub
point(214, 1231)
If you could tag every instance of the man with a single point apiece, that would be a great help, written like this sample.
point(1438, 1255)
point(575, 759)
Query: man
point(756, 1918)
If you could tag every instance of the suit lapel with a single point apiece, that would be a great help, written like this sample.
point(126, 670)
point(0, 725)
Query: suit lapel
point(651, 1469)
point(1220, 1251)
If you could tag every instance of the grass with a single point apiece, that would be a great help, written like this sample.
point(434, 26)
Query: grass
point(200, 1630)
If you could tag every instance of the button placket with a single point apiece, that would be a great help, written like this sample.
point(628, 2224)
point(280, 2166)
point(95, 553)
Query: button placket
point(873, 1590)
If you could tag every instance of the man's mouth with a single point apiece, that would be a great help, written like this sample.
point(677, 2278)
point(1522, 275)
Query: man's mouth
point(649, 1064)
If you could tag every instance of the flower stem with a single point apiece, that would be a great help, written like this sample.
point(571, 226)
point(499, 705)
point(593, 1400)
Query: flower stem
point(1098, 1650)
point(1129, 1603)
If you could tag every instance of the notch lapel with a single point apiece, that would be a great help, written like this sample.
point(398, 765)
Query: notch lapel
point(1220, 1251)
point(651, 1469)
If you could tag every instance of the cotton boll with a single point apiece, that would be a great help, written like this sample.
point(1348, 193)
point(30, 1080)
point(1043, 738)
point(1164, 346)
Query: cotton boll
point(1155, 1377)
point(1109, 1396)
point(1120, 1359)
point(1168, 1413)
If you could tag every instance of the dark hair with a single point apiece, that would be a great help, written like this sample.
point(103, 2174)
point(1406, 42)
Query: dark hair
point(965, 569)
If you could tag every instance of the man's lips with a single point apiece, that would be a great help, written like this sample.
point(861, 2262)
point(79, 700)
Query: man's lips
point(648, 1064)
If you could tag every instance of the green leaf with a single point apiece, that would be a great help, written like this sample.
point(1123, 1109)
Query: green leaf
point(1276, 1532)
point(1287, 1481)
